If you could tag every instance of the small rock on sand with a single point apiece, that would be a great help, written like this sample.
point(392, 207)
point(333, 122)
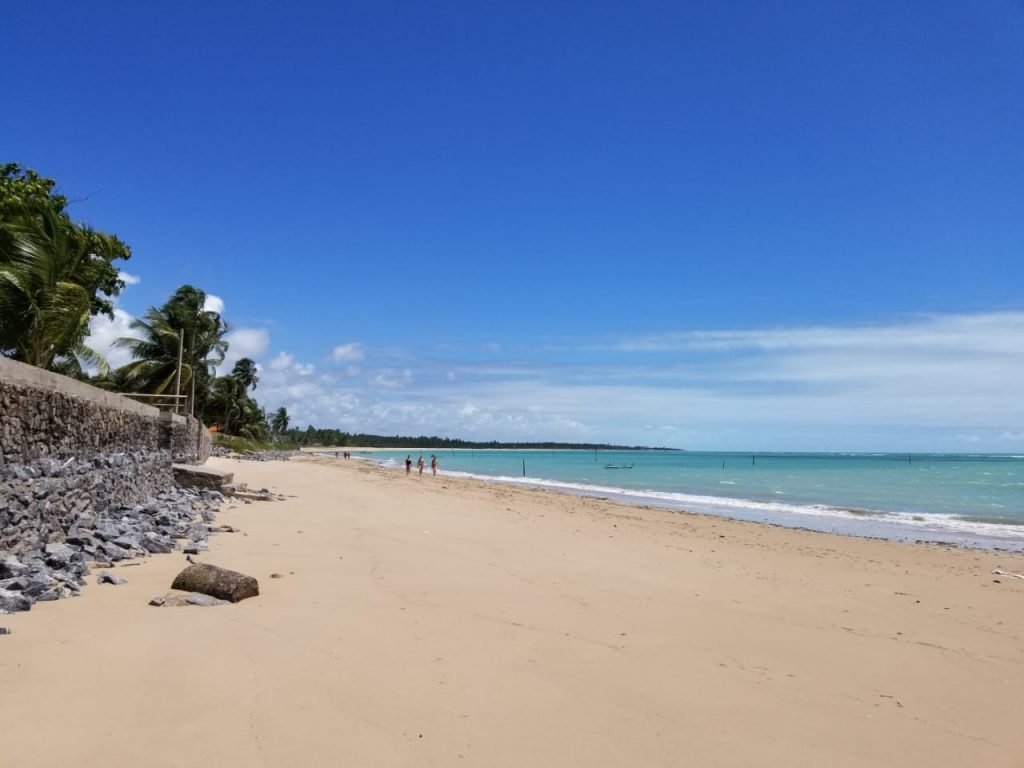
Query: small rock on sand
point(192, 598)
point(109, 578)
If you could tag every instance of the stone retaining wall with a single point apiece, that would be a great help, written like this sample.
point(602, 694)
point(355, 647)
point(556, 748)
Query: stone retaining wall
point(67, 449)
point(187, 439)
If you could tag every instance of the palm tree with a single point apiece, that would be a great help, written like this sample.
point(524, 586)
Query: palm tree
point(234, 411)
point(279, 421)
point(245, 371)
point(182, 320)
point(226, 405)
point(254, 421)
point(49, 277)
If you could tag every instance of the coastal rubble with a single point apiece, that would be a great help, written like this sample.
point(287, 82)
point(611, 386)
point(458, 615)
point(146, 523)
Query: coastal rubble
point(173, 600)
point(246, 494)
point(227, 453)
point(54, 570)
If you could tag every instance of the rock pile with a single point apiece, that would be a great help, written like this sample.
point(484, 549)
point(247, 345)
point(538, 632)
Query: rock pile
point(54, 570)
point(40, 500)
point(227, 453)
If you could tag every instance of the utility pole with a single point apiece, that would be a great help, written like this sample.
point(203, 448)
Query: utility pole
point(177, 382)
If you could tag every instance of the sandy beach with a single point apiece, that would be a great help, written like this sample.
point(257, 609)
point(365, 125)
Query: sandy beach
point(424, 621)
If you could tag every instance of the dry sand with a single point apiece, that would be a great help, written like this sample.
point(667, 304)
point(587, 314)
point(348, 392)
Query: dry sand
point(442, 622)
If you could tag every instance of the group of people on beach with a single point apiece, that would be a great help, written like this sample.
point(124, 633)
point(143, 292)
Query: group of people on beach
point(420, 464)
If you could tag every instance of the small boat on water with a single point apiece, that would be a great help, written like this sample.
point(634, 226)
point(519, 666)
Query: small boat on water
point(618, 466)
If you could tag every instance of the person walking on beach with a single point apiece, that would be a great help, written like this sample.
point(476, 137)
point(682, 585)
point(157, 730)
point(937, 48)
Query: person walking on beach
point(408, 464)
point(419, 464)
point(433, 464)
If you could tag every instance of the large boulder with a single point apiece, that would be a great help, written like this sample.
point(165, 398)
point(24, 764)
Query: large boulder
point(216, 582)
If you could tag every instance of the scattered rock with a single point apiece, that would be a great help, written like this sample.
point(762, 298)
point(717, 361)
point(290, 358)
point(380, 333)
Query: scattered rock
point(59, 555)
point(196, 598)
point(109, 578)
point(216, 582)
point(276, 576)
point(4, 631)
point(220, 450)
point(192, 598)
point(11, 601)
point(11, 566)
point(247, 495)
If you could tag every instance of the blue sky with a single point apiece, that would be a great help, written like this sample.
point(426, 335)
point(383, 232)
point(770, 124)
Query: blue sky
point(720, 225)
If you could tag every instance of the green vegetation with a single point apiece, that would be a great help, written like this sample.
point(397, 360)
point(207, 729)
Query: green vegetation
point(311, 436)
point(244, 444)
point(231, 406)
point(55, 274)
point(279, 422)
point(181, 325)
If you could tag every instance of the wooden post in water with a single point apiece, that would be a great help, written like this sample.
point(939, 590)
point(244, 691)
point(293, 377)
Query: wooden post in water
point(524, 467)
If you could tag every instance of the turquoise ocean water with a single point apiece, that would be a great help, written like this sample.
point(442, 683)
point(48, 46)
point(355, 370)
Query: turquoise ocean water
point(960, 498)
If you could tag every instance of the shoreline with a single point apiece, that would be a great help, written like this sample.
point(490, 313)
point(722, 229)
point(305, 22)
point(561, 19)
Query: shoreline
point(440, 621)
point(962, 531)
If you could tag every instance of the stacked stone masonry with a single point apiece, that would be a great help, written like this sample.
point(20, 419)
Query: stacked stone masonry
point(69, 450)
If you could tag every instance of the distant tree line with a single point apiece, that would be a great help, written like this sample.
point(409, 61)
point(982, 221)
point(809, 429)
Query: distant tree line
point(312, 436)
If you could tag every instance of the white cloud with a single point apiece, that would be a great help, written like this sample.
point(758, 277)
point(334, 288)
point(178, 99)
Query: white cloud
point(347, 353)
point(244, 342)
point(940, 382)
point(214, 304)
point(391, 379)
point(129, 279)
point(248, 342)
point(104, 331)
point(282, 362)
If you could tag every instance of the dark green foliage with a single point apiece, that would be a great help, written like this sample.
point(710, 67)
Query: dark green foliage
point(201, 334)
point(279, 421)
point(245, 372)
point(311, 436)
point(55, 274)
point(234, 411)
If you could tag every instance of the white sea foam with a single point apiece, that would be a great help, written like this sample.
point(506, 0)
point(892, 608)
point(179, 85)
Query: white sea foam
point(866, 522)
